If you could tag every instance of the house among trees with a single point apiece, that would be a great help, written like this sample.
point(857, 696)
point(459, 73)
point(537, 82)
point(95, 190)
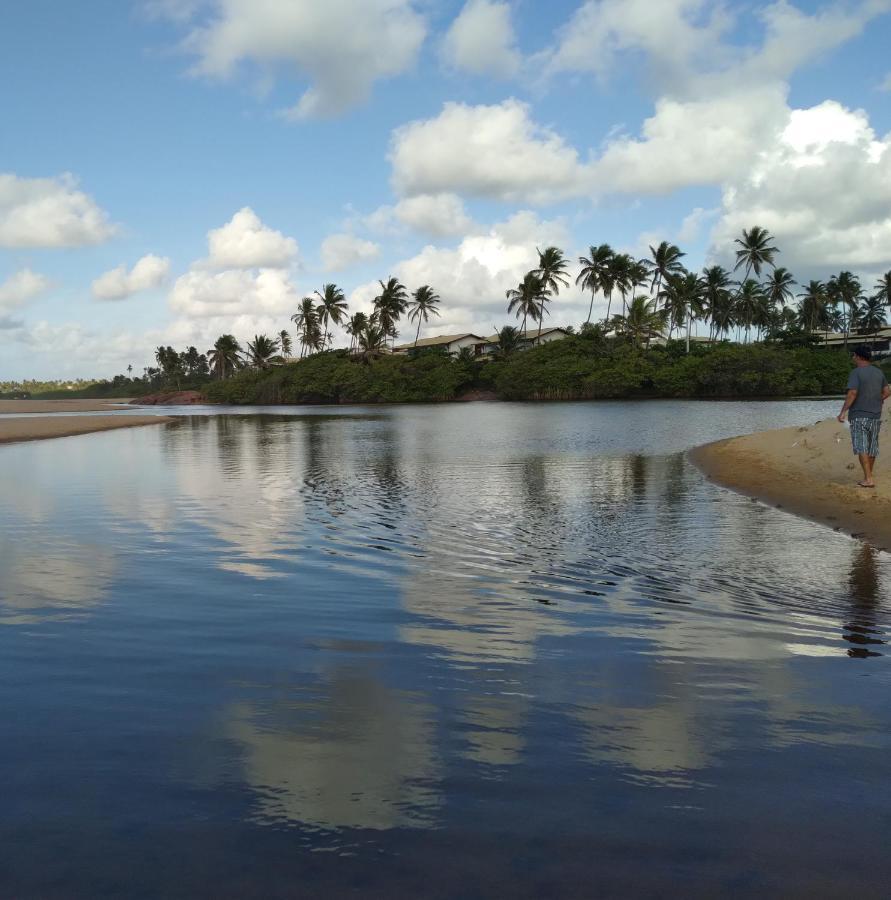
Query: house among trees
point(452, 344)
point(525, 340)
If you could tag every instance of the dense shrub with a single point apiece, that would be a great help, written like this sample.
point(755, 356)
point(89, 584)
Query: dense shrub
point(572, 369)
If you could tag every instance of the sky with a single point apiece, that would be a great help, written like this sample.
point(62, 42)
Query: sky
point(173, 170)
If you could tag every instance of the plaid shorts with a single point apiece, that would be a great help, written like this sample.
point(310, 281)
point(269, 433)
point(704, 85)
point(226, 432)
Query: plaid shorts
point(865, 435)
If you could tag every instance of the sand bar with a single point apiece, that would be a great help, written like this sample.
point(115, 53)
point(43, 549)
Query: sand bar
point(36, 427)
point(808, 470)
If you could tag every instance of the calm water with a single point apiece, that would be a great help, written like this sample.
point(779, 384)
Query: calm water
point(463, 651)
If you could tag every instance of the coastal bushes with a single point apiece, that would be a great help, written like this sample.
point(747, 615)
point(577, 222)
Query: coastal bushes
point(576, 368)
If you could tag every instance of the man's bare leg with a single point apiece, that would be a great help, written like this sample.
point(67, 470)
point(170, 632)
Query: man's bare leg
point(866, 463)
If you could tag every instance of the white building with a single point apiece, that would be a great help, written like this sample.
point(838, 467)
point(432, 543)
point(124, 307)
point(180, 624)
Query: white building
point(527, 339)
point(453, 344)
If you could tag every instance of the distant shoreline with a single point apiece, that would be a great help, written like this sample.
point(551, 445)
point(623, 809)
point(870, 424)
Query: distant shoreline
point(810, 471)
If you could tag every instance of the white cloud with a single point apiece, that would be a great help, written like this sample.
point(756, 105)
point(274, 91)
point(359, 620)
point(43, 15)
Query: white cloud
point(482, 41)
point(21, 287)
point(822, 189)
point(489, 151)
point(49, 212)
point(341, 251)
point(149, 272)
point(886, 84)
point(439, 215)
point(472, 277)
point(341, 46)
point(246, 243)
point(232, 293)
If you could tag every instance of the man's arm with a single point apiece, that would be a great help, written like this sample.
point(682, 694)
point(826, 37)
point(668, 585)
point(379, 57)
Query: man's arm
point(886, 393)
point(849, 402)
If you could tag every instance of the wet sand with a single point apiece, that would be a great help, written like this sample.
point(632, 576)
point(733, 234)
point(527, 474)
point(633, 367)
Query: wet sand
point(33, 428)
point(809, 470)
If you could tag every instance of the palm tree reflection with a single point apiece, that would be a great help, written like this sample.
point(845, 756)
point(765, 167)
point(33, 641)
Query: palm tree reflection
point(861, 631)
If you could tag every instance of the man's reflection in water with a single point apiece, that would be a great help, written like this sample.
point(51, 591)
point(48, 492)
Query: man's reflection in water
point(863, 584)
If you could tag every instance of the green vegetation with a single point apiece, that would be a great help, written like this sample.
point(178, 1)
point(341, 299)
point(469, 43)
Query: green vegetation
point(581, 367)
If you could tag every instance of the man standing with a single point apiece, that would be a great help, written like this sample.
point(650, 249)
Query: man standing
point(867, 391)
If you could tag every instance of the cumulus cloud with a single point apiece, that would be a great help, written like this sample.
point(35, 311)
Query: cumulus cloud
point(20, 288)
point(341, 251)
point(488, 151)
point(49, 212)
point(234, 292)
point(244, 242)
point(472, 277)
point(342, 47)
point(438, 215)
point(822, 189)
point(482, 41)
point(149, 272)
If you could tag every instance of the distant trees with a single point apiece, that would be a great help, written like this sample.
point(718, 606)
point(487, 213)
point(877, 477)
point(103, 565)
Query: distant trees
point(424, 303)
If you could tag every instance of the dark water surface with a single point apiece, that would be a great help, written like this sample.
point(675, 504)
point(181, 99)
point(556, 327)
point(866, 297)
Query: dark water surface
point(463, 651)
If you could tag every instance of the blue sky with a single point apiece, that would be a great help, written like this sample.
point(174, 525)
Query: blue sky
point(437, 141)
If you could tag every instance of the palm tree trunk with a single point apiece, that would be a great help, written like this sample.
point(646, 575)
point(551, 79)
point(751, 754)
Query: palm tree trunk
point(418, 333)
point(590, 309)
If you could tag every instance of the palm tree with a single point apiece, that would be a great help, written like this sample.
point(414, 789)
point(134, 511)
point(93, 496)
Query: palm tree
point(813, 306)
point(684, 294)
point(872, 315)
point(423, 304)
point(748, 302)
point(390, 304)
point(642, 320)
point(307, 320)
point(778, 286)
point(508, 341)
point(592, 276)
point(844, 291)
point(883, 288)
point(284, 341)
point(354, 327)
point(225, 357)
point(664, 260)
point(755, 251)
point(551, 270)
point(622, 272)
point(332, 307)
point(262, 351)
point(371, 341)
point(717, 299)
point(525, 299)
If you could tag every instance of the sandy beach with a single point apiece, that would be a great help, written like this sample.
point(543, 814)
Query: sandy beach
point(808, 470)
point(37, 427)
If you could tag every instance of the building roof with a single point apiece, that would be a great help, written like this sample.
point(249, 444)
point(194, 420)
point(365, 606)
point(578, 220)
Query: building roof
point(530, 334)
point(440, 340)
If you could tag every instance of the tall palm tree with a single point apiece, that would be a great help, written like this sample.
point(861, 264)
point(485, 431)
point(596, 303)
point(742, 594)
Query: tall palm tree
point(593, 271)
point(718, 301)
point(778, 286)
point(424, 303)
point(748, 302)
point(813, 305)
point(684, 294)
point(622, 272)
point(354, 327)
point(872, 315)
point(883, 288)
point(225, 356)
point(552, 266)
point(664, 260)
point(307, 320)
point(332, 307)
point(844, 292)
point(756, 251)
point(525, 298)
point(284, 341)
point(390, 304)
point(262, 351)
point(371, 340)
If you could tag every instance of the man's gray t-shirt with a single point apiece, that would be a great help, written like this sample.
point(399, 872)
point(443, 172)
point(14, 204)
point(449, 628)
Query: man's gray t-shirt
point(869, 382)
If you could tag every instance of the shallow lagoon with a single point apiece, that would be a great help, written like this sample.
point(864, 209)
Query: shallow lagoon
point(483, 650)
